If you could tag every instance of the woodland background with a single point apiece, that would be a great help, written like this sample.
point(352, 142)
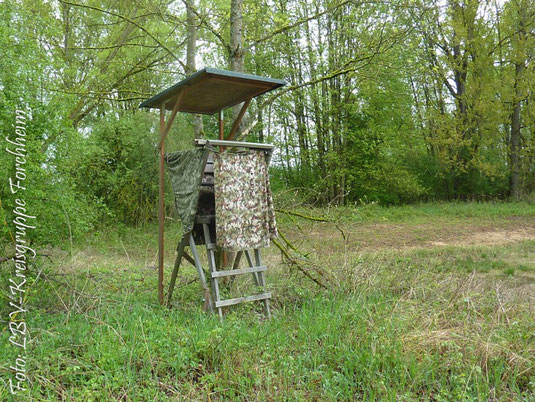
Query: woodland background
point(392, 102)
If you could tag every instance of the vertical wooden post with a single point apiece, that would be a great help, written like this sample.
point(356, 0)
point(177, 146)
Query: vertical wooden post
point(161, 211)
point(164, 130)
point(221, 136)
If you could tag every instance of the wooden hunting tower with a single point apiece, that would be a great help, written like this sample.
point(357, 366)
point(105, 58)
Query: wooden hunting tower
point(195, 181)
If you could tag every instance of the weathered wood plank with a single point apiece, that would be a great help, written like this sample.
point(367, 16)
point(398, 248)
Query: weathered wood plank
point(262, 280)
point(230, 302)
point(241, 144)
point(252, 264)
point(180, 254)
point(212, 267)
point(218, 274)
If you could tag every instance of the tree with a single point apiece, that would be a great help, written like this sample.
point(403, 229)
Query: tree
point(191, 54)
point(520, 15)
point(461, 103)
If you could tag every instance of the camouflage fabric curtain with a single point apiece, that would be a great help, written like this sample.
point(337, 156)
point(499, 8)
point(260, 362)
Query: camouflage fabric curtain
point(245, 218)
point(185, 170)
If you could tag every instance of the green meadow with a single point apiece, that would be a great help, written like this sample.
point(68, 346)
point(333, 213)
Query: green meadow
point(426, 302)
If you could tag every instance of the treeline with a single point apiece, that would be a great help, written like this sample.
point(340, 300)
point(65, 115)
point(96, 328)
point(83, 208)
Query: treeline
point(403, 101)
point(389, 101)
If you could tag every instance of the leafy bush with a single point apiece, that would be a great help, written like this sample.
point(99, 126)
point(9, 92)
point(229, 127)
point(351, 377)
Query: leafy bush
point(117, 164)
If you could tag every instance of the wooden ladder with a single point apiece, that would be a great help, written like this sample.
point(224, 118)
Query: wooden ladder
point(215, 302)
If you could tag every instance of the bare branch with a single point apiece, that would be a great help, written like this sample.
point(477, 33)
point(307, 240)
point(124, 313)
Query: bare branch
point(130, 20)
point(297, 23)
point(208, 26)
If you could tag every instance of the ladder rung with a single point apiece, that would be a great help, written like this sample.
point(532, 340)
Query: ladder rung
point(230, 302)
point(204, 218)
point(231, 272)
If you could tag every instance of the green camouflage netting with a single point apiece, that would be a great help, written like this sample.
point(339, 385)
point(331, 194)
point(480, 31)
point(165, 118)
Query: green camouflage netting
point(185, 170)
point(245, 218)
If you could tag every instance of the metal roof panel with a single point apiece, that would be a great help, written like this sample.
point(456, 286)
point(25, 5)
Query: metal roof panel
point(210, 90)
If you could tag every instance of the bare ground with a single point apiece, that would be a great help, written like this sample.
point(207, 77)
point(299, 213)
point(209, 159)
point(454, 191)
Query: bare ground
point(399, 236)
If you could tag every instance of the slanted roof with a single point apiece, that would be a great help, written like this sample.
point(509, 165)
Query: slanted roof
point(210, 90)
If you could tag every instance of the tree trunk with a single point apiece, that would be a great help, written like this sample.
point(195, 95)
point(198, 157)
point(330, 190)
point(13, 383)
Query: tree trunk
point(236, 64)
point(514, 185)
point(236, 29)
point(236, 45)
point(325, 107)
point(260, 117)
point(514, 188)
point(191, 53)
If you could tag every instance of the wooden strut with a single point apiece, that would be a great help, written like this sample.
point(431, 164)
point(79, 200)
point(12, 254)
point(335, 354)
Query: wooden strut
point(188, 240)
point(180, 253)
point(238, 120)
point(224, 143)
point(212, 267)
point(164, 131)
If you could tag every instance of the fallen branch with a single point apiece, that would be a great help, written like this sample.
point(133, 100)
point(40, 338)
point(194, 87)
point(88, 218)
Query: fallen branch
point(294, 262)
point(299, 214)
point(288, 243)
point(6, 258)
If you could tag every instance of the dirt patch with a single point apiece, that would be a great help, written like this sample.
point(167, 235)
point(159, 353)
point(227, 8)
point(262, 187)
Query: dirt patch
point(400, 236)
point(457, 234)
point(491, 237)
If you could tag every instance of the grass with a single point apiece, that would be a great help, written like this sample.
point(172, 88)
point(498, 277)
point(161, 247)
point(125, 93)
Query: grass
point(421, 213)
point(442, 210)
point(420, 309)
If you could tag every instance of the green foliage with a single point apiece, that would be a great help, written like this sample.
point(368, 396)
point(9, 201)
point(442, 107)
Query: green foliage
point(60, 211)
point(117, 165)
point(415, 109)
point(463, 82)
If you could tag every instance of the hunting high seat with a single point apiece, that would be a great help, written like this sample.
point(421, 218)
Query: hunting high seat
point(209, 91)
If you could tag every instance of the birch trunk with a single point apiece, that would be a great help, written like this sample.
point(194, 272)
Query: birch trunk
point(191, 53)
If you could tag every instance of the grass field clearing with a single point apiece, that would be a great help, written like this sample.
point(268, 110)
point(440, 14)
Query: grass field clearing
point(428, 302)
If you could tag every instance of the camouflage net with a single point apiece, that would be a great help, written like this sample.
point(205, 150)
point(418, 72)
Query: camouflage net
point(185, 170)
point(245, 218)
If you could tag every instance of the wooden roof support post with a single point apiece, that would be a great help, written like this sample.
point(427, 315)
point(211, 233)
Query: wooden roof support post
point(238, 120)
point(164, 130)
point(222, 137)
point(161, 206)
point(220, 124)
